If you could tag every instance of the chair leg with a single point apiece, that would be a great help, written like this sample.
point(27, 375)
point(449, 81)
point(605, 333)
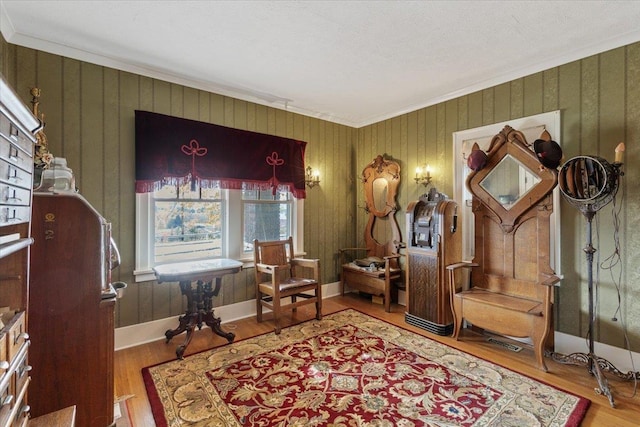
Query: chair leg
point(293, 300)
point(259, 307)
point(539, 338)
point(387, 295)
point(457, 325)
point(276, 314)
point(318, 305)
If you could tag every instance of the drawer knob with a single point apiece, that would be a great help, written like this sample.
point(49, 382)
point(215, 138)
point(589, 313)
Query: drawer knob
point(4, 365)
point(22, 336)
point(24, 411)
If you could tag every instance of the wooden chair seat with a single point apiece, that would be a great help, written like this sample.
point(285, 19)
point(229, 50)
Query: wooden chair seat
point(282, 277)
point(291, 284)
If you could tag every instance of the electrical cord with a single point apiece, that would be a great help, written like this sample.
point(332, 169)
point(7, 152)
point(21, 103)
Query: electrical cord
point(614, 262)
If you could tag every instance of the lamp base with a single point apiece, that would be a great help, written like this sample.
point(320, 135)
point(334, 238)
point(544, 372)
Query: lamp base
point(596, 367)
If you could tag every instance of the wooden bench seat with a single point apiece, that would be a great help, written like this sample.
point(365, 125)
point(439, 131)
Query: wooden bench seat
point(509, 302)
point(505, 314)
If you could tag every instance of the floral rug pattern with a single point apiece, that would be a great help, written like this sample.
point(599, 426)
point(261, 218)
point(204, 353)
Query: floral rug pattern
point(350, 369)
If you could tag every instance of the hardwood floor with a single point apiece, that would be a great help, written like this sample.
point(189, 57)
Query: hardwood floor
point(129, 362)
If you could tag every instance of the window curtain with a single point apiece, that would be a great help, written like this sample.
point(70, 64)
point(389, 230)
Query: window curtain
point(172, 150)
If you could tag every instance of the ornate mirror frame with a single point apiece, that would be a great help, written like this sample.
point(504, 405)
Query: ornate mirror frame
point(381, 169)
point(532, 126)
point(385, 206)
point(510, 142)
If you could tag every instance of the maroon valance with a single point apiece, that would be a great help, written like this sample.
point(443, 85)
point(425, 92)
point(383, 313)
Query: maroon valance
point(175, 150)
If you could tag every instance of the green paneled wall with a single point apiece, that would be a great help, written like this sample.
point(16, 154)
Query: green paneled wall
point(89, 115)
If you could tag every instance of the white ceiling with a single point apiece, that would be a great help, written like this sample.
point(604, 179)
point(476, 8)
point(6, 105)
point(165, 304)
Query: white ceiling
point(350, 62)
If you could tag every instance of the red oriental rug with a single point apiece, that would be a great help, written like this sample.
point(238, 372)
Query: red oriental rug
point(350, 369)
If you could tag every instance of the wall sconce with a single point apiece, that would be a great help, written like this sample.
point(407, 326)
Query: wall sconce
point(423, 175)
point(313, 177)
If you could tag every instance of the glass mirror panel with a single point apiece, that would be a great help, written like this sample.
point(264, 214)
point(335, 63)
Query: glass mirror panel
point(380, 194)
point(509, 181)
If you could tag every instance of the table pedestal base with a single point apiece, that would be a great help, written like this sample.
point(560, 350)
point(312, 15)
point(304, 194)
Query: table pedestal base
point(199, 312)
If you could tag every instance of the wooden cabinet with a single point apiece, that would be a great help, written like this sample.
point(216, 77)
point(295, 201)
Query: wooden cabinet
point(17, 138)
point(434, 242)
point(72, 307)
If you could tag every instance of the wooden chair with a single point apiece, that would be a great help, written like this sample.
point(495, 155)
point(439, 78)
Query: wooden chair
point(279, 275)
point(375, 269)
point(511, 281)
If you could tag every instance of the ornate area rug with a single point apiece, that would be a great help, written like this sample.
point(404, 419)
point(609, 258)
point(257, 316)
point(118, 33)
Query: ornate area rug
point(348, 370)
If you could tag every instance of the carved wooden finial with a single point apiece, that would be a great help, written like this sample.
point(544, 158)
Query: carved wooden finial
point(35, 101)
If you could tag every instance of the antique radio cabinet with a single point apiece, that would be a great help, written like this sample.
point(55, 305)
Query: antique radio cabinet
point(434, 241)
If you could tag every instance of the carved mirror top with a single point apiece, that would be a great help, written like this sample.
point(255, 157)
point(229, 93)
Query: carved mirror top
point(381, 178)
point(513, 181)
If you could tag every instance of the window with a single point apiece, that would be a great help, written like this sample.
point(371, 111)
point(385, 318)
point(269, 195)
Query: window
point(178, 223)
point(265, 216)
point(188, 224)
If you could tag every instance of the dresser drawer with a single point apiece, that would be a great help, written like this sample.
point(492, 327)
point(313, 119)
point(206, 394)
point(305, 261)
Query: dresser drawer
point(12, 133)
point(15, 175)
point(13, 389)
point(4, 358)
point(16, 196)
point(21, 375)
point(10, 153)
point(7, 397)
point(8, 129)
point(16, 335)
point(10, 215)
point(20, 411)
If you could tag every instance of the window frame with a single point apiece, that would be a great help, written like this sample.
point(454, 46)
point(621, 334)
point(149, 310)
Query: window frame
point(233, 226)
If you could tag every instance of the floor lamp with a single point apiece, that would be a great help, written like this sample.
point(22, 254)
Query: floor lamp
point(589, 183)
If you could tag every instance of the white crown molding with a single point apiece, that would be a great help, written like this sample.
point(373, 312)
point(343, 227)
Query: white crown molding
point(245, 94)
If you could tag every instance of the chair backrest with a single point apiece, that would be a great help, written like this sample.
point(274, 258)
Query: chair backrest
point(277, 252)
point(381, 179)
point(512, 205)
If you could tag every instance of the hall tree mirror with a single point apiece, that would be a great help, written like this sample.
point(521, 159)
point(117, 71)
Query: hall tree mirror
point(374, 269)
point(509, 181)
point(521, 180)
point(380, 187)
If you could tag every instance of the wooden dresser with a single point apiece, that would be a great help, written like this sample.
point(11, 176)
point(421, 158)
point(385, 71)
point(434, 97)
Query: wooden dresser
point(17, 138)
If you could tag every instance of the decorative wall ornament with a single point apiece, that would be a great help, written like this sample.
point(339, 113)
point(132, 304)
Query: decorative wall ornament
point(313, 177)
point(42, 158)
point(423, 175)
